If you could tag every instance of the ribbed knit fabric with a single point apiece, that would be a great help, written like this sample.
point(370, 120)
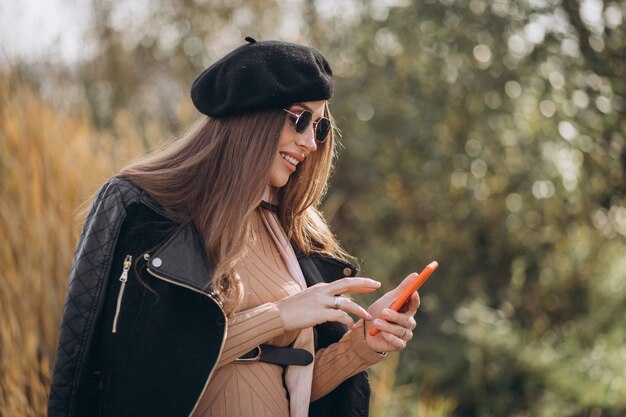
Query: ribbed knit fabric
point(256, 389)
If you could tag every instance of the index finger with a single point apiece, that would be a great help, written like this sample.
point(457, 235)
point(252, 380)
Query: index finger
point(352, 285)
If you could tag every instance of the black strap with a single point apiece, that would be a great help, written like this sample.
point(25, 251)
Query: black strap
point(277, 355)
point(269, 206)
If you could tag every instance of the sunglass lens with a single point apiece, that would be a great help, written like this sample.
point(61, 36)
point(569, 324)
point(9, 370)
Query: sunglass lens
point(303, 121)
point(322, 129)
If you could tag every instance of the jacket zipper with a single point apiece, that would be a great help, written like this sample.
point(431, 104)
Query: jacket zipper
point(217, 302)
point(120, 294)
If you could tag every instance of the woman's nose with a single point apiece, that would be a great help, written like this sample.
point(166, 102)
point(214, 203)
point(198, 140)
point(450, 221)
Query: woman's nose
point(307, 139)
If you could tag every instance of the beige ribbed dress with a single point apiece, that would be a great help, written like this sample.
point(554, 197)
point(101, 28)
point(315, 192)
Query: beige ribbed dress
point(256, 388)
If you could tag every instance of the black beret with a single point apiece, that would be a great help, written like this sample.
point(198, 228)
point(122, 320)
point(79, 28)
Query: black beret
point(262, 75)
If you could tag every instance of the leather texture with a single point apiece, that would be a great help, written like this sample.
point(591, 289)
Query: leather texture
point(87, 278)
point(278, 355)
point(168, 337)
point(181, 259)
point(87, 283)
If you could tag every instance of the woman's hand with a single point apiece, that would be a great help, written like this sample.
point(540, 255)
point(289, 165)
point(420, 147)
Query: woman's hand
point(396, 328)
point(317, 304)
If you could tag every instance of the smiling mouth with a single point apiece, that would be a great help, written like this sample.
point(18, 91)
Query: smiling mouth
point(291, 160)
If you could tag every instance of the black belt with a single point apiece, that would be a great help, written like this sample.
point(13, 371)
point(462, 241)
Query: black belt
point(277, 355)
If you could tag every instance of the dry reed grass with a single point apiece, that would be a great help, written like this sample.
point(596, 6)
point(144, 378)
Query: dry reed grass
point(50, 164)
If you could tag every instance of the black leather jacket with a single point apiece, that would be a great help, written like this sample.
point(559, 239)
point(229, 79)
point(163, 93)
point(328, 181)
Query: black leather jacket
point(142, 331)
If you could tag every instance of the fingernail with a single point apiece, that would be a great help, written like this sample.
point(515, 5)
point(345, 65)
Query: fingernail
point(368, 316)
point(386, 314)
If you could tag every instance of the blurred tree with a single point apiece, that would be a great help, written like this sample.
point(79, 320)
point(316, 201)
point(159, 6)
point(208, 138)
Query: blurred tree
point(490, 136)
point(146, 51)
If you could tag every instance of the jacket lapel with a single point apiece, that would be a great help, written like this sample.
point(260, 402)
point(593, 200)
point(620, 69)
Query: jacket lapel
point(181, 259)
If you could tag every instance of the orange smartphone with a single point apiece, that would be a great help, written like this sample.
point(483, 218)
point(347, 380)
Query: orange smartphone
point(417, 282)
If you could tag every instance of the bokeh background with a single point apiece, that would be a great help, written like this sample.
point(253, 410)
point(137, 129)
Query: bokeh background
point(489, 135)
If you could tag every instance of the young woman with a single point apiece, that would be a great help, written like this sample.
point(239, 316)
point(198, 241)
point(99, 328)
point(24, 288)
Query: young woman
point(206, 282)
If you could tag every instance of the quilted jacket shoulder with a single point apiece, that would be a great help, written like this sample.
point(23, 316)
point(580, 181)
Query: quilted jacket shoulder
point(90, 267)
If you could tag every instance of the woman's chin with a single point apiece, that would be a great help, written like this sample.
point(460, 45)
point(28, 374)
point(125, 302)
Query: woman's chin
point(279, 181)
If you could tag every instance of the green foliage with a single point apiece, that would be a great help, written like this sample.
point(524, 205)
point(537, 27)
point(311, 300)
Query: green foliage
point(491, 137)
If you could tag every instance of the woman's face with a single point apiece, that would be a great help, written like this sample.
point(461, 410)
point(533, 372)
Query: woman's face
point(293, 147)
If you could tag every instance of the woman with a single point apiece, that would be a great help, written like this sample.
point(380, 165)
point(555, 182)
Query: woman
point(207, 283)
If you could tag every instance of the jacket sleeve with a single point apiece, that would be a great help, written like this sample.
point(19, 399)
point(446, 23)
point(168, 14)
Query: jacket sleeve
point(341, 360)
point(91, 264)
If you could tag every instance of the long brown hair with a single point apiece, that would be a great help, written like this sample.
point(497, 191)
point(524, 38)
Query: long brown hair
point(215, 175)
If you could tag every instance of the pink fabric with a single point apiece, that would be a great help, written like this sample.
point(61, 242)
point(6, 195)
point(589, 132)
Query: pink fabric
point(299, 379)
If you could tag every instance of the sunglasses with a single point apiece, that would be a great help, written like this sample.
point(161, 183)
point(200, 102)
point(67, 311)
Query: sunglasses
point(302, 121)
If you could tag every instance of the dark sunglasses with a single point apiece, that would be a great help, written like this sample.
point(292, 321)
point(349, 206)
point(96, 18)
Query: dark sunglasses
point(303, 120)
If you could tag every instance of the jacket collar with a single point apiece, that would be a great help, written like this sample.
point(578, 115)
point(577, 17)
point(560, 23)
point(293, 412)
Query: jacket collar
point(181, 260)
